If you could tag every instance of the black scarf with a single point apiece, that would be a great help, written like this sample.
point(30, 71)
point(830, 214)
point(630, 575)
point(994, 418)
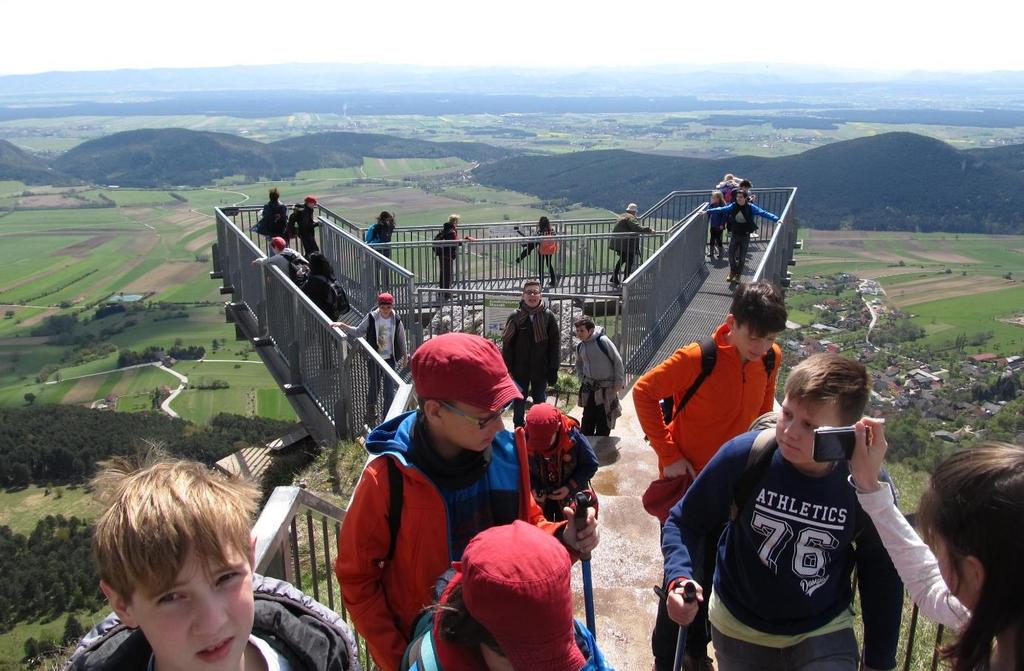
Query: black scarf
point(452, 474)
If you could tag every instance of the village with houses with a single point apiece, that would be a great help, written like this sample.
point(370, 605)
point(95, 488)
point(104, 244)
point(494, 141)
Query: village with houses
point(953, 393)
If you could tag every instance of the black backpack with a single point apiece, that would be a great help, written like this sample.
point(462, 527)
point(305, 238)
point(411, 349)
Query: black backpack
point(337, 300)
point(298, 268)
point(439, 250)
point(268, 224)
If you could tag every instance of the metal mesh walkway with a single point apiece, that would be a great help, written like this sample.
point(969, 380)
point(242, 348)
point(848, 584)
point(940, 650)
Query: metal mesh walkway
point(709, 306)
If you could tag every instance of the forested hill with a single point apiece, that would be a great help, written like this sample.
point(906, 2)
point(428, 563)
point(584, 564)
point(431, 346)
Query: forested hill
point(37, 445)
point(22, 166)
point(894, 181)
point(175, 156)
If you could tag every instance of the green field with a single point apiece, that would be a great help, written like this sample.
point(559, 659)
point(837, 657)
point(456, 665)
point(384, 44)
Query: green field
point(252, 392)
point(12, 643)
point(949, 284)
point(21, 509)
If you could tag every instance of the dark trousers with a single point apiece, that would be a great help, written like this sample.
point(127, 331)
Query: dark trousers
point(445, 279)
point(626, 258)
point(537, 390)
point(716, 242)
point(309, 244)
point(595, 421)
point(738, 252)
point(551, 269)
point(376, 377)
point(698, 635)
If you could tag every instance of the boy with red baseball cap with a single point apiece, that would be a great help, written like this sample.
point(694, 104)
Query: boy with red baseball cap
point(437, 477)
point(509, 605)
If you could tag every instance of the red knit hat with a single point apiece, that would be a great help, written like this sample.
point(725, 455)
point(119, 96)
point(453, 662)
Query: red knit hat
point(542, 423)
point(278, 243)
point(463, 367)
point(385, 297)
point(311, 199)
point(515, 582)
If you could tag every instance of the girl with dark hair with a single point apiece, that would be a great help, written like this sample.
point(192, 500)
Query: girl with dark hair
point(318, 285)
point(972, 516)
point(546, 250)
point(379, 235)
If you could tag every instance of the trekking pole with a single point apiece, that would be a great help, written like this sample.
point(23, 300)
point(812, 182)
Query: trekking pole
point(689, 596)
point(582, 504)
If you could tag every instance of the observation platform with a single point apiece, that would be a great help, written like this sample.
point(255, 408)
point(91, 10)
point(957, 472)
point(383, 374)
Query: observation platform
point(673, 296)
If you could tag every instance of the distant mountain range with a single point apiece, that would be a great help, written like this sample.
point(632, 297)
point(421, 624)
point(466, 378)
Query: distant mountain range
point(894, 181)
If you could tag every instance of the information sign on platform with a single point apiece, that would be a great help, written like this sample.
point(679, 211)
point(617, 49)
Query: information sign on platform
point(497, 310)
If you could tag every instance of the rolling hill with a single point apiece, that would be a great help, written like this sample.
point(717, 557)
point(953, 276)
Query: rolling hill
point(175, 156)
point(893, 181)
point(24, 167)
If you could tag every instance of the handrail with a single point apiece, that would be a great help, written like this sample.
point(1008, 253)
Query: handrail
point(659, 290)
point(460, 311)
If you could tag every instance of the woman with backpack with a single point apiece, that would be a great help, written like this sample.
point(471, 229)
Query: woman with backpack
point(546, 250)
point(274, 217)
point(321, 289)
point(306, 225)
point(379, 235)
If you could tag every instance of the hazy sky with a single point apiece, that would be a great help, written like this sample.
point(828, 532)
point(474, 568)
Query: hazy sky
point(868, 34)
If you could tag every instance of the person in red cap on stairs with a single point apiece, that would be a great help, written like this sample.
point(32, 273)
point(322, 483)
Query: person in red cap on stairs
point(437, 477)
point(508, 606)
point(306, 224)
point(384, 332)
point(561, 458)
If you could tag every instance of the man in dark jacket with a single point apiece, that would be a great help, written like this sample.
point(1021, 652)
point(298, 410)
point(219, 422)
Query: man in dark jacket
point(628, 248)
point(531, 346)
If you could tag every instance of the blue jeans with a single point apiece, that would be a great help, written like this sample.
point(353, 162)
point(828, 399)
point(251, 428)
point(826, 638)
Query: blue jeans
point(830, 652)
point(389, 387)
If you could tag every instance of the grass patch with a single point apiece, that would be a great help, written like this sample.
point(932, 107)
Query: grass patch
point(20, 509)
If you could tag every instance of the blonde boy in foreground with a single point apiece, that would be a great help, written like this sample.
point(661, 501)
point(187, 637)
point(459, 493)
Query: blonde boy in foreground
point(175, 557)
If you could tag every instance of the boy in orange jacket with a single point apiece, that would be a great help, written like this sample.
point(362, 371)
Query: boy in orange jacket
point(739, 388)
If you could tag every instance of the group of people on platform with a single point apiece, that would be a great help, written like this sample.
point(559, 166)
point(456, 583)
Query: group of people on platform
point(456, 548)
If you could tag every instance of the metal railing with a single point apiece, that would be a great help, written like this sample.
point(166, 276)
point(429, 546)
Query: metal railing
point(779, 254)
point(295, 534)
point(333, 370)
point(657, 293)
point(582, 264)
point(484, 312)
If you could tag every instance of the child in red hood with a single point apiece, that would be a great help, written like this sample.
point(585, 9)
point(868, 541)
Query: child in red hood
point(561, 458)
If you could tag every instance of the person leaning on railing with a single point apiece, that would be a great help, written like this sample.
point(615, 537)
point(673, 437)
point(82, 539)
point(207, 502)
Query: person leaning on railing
point(972, 515)
point(383, 330)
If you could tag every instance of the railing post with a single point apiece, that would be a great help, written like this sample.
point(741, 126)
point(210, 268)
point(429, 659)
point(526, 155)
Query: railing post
point(294, 344)
point(343, 416)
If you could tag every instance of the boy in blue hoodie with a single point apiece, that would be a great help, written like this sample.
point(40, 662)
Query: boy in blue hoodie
point(782, 595)
point(437, 477)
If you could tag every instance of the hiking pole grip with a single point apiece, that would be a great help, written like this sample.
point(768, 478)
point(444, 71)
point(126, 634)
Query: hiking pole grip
point(580, 516)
